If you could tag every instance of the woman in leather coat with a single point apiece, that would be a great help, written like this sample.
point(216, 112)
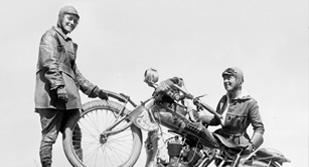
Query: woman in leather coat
point(58, 82)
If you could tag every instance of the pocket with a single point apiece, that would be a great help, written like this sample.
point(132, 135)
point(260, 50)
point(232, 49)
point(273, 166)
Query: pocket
point(71, 87)
point(60, 48)
point(236, 122)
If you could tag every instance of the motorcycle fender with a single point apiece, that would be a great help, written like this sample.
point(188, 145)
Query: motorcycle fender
point(143, 120)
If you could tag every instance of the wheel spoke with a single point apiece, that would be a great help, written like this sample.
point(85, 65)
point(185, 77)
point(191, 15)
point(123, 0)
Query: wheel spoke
point(99, 150)
point(88, 156)
point(92, 122)
point(86, 129)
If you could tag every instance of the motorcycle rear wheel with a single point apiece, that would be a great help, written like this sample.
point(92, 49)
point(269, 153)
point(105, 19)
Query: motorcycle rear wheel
point(84, 146)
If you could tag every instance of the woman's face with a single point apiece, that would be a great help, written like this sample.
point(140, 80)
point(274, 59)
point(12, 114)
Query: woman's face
point(69, 22)
point(230, 83)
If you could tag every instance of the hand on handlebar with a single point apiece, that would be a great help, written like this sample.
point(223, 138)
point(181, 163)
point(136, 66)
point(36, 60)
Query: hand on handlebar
point(196, 101)
point(201, 105)
point(197, 104)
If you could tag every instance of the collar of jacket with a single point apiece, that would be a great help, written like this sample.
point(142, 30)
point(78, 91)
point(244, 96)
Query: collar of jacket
point(242, 96)
point(59, 31)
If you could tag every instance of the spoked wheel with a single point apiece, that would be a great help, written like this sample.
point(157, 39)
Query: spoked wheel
point(85, 145)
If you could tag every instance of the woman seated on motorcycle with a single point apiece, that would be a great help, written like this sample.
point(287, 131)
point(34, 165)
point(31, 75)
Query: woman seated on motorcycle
point(237, 111)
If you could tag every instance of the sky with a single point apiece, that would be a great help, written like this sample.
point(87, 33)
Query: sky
point(195, 40)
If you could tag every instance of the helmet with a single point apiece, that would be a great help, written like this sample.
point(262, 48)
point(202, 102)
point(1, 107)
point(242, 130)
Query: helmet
point(68, 9)
point(151, 76)
point(236, 72)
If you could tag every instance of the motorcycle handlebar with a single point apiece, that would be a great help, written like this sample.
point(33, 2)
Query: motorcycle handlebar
point(121, 97)
point(198, 102)
point(188, 95)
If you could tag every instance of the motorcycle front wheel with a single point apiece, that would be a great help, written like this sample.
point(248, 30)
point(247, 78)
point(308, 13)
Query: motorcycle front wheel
point(84, 145)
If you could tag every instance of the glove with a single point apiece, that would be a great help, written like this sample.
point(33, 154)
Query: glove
point(197, 104)
point(103, 95)
point(62, 94)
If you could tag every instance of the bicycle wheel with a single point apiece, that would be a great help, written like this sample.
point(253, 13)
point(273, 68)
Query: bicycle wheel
point(84, 146)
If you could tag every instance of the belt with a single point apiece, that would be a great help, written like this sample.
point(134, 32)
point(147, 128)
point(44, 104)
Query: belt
point(63, 68)
point(68, 70)
point(230, 133)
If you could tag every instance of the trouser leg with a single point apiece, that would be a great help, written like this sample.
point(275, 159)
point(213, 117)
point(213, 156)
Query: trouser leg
point(50, 123)
point(46, 152)
point(77, 135)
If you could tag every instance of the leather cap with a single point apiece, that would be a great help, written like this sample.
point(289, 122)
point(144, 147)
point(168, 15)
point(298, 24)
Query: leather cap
point(68, 9)
point(234, 71)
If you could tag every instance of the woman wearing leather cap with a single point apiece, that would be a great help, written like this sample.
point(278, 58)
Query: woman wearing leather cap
point(58, 81)
point(238, 110)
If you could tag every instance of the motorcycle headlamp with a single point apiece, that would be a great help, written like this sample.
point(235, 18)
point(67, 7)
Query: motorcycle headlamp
point(151, 76)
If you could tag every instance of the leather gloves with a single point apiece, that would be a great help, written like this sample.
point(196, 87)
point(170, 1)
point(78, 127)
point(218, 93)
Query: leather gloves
point(102, 95)
point(62, 94)
point(97, 92)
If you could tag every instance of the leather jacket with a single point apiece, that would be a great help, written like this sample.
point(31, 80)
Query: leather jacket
point(57, 67)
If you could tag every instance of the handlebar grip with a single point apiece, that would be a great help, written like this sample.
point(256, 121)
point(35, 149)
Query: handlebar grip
point(117, 96)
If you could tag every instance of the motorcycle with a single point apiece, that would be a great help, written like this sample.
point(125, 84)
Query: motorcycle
point(109, 133)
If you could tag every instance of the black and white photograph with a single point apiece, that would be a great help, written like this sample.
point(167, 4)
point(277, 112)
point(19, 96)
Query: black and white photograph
point(154, 83)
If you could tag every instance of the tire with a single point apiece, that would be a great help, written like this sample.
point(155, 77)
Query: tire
point(121, 149)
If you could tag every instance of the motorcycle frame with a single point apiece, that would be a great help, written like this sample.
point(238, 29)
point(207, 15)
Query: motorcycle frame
point(131, 116)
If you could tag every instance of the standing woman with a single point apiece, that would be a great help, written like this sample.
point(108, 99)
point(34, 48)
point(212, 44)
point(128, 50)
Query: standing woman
point(58, 82)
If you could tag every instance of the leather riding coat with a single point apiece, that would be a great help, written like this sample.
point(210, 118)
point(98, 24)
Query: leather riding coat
point(57, 67)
